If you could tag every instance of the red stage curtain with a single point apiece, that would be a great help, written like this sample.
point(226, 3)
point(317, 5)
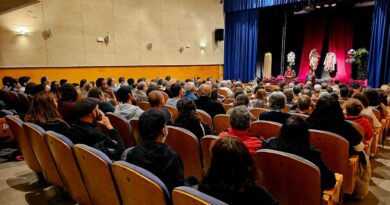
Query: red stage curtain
point(340, 41)
point(314, 38)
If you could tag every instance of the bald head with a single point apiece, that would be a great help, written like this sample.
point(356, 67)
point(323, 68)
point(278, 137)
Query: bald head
point(156, 99)
point(205, 90)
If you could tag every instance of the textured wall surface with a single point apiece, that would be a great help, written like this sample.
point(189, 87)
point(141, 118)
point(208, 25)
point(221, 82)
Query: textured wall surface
point(131, 24)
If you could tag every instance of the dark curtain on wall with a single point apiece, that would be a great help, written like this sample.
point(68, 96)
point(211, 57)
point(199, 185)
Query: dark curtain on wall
point(241, 44)
point(379, 59)
point(239, 5)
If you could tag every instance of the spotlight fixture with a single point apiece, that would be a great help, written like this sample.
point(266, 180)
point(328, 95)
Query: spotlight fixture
point(334, 4)
point(326, 5)
point(202, 45)
point(22, 31)
point(318, 7)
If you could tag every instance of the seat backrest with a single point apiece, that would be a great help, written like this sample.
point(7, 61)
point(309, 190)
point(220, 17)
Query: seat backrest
point(334, 149)
point(186, 195)
point(302, 116)
point(378, 114)
point(24, 102)
point(224, 93)
point(227, 107)
point(221, 123)
point(266, 129)
point(123, 127)
point(134, 131)
point(6, 96)
point(205, 117)
point(187, 147)
point(287, 108)
point(139, 186)
point(165, 95)
point(144, 105)
point(256, 111)
point(173, 111)
point(15, 103)
point(17, 130)
point(228, 101)
point(289, 178)
point(206, 143)
point(357, 126)
point(62, 149)
point(35, 134)
point(95, 168)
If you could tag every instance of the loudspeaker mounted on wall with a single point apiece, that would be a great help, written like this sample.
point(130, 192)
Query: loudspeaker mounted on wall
point(219, 34)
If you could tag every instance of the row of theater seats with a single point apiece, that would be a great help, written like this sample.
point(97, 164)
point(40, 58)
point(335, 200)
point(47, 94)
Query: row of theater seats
point(89, 176)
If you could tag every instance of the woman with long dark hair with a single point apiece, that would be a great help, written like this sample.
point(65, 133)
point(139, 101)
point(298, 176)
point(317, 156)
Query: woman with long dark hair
point(294, 138)
point(43, 112)
point(189, 120)
point(232, 176)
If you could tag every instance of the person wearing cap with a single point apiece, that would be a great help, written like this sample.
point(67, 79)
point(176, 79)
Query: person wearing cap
point(125, 108)
point(153, 154)
point(84, 130)
point(204, 102)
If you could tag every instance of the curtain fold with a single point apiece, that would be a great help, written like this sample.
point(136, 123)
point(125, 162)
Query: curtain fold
point(314, 38)
point(241, 35)
point(379, 59)
point(340, 41)
point(239, 5)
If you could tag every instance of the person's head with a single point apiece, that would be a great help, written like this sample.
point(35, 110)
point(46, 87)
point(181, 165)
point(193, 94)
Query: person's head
point(189, 87)
point(310, 71)
point(68, 92)
point(353, 107)
point(267, 86)
point(362, 98)
point(317, 88)
point(152, 87)
point(6, 80)
point(87, 87)
point(63, 81)
point(295, 133)
point(152, 126)
point(110, 82)
point(124, 94)
point(277, 100)
point(372, 96)
point(242, 100)
point(23, 80)
point(87, 110)
point(43, 107)
point(30, 88)
point(96, 93)
point(38, 88)
point(231, 167)
point(306, 91)
point(168, 78)
point(130, 81)
point(176, 90)
point(344, 92)
point(82, 82)
point(288, 68)
point(385, 89)
point(240, 118)
point(261, 94)
point(101, 83)
point(205, 90)
point(223, 83)
point(327, 115)
point(297, 89)
point(45, 80)
point(303, 102)
point(142, 86)
point(289, 94)
point(121, 80)
point(237, 93)
point(156, 99)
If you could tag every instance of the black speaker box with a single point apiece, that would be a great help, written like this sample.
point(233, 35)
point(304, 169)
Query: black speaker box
point(219, 35)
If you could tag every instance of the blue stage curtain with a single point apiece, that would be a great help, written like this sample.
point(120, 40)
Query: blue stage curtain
point(379, 59)
point(241, 44)
point(239, 5)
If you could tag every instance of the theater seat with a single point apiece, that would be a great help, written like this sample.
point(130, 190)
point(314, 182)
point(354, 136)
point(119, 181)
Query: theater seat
point(228, 101)
point(224, 93)
point(144, 105)
point(292, 179)
point(188, 196)
point(302, 116)
point(16, 126)
point(187, 147)
point(173, 111)
point(138, 186)
point(360, 129)
point(335, 153)
point(123, 127)
point(36, 136)
point(206, 143)
point(95, 168)
point(221, 123)
point(227, 107)
point(265, 129)
point(134, 131)
point(257, 111)
point(205, 118)
point(62, 149)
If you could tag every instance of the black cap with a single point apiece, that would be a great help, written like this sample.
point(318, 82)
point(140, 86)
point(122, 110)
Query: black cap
point(85, 106)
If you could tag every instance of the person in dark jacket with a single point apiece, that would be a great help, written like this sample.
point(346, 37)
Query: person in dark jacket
point(153, 155)
point(294, 138)
point(277, 101)
point(85, 131)
point(205, 103)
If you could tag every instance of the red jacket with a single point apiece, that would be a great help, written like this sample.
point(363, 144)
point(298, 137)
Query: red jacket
point(368, 131)
point(249, 139)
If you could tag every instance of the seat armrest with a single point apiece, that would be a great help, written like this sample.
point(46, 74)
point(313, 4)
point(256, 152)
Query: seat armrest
point(332, 196)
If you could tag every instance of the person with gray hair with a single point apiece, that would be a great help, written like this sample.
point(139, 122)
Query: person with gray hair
point(224, 85)
point(204, 102)
point(240, 120)
point(190, 89)
point(140, 93)
point(277, 101)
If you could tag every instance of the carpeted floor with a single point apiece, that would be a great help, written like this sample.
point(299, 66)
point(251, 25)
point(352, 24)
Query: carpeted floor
point(19, 185)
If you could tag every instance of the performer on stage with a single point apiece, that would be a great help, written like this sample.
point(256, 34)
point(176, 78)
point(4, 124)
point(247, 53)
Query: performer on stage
point(289, 74)
point(311, 77)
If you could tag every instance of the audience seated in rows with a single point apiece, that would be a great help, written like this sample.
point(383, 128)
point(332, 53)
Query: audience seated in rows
point(277, 101)
point(84, 130)
point(68, 100)
point(125, 108)
point(189, 119)
point(302, 105)
point(240, 120)
point(204, 102)
point(140, 93)
point(367, 110)
point(153, 155)
point(294, 138)
point(190, 90)
point(354, 107)
point(241, 99)
point(232, 176)
point(177, 94)
point(104, 105)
